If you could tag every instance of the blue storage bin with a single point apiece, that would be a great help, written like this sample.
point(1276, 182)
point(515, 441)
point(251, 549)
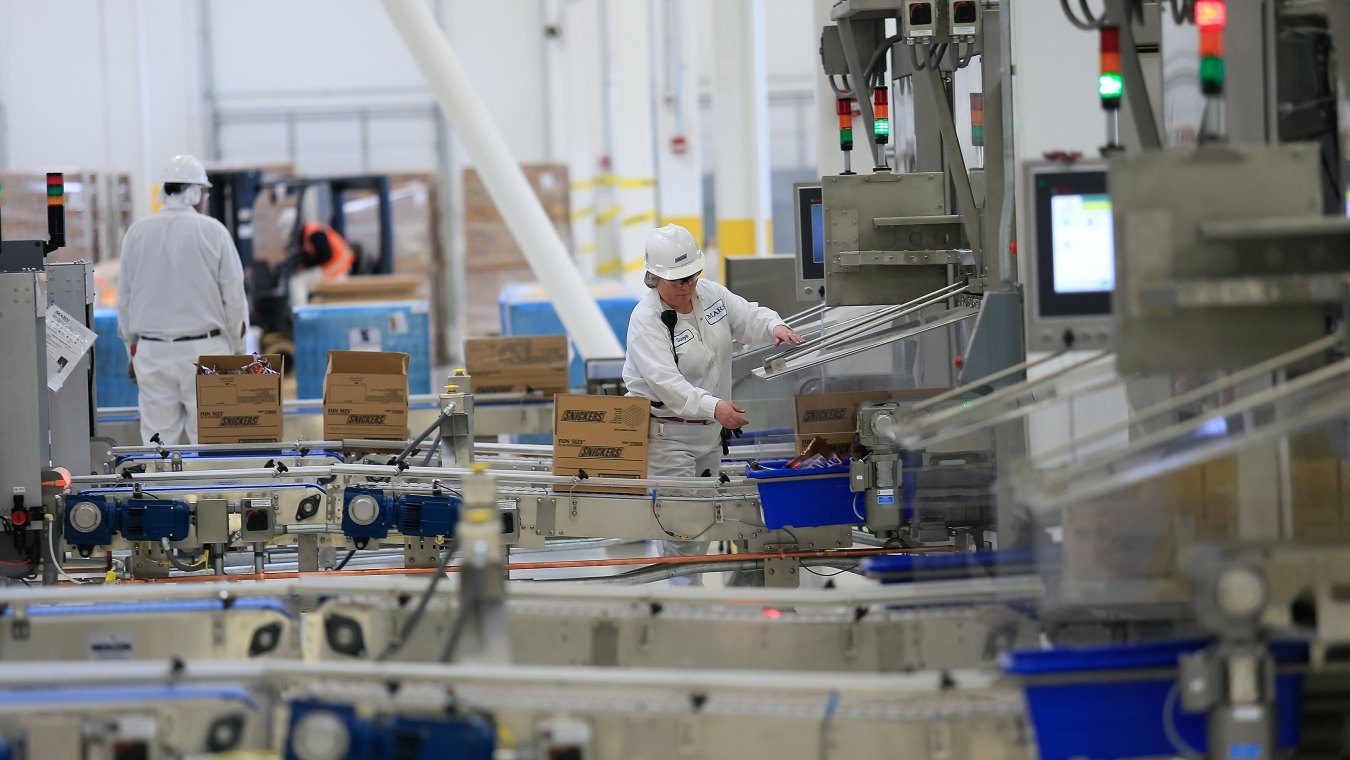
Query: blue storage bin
point(387, 326)
point(526, 310)
point(811, 498)
point(904, 568)
point(1124, 718)
point(112, 387)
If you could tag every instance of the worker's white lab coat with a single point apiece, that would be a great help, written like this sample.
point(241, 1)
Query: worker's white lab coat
point(690, 390)
point(180, 276)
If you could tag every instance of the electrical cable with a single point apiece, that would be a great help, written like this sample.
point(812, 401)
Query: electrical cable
point(178, 563)
point(1073, 19)
point(840, 571)
point(468, 606)
point(879, 54)
point(51, 551)
point(1088, 16)
point(914, 61)
point(1170, 726)
point(350, 553)
point(411, 623)
point(1181, 11)
point(838, 91)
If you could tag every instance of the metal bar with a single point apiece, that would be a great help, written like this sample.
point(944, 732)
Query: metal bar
point(949, 317)
point(986, 380)
point(908, 221)
point(1208, 389)
point(1086, 488)
point(956, 162)
point(1277, 393)
point(950, 431)
point(981, 405)
point(869, 321)
point(1141, 108)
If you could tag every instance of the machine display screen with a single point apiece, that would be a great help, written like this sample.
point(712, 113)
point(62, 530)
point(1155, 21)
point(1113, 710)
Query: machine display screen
point(810, 213)
point(1083, 245)
point(1075, 243)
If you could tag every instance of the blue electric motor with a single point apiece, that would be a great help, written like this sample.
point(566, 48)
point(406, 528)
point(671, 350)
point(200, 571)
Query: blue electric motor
point(366, 513)
point(154, 519)
point(89, 521)
point(428, 515)
point(317, 725)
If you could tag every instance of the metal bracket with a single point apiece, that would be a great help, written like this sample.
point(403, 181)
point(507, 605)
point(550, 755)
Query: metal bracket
point(855, 259)
point(781, 573)
point(19, 628)
point(546, 516)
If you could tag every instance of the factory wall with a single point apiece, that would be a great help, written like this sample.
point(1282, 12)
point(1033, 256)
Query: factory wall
point(324, 84)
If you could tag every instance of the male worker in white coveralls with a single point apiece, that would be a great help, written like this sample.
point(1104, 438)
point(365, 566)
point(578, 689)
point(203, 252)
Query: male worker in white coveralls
point(679, 357)
point(180, 295)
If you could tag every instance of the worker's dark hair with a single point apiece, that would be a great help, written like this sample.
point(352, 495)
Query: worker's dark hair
point(174, 188)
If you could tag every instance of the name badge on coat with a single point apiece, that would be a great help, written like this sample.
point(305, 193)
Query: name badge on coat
point(716, 312)
point(684, 337)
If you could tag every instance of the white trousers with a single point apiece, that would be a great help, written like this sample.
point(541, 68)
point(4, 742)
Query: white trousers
point(168, 386)
point(681, 450)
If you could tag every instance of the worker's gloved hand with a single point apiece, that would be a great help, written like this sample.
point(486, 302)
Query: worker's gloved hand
point(730, 415)
point(784, 334)
point(131, 364)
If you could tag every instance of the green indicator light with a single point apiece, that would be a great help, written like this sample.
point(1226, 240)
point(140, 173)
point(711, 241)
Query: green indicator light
point(1110, 86)
point(1211, 75)
point(55, 191)
point(881, 128)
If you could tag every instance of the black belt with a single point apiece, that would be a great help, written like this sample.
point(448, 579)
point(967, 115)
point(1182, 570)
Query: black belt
point(184, 339)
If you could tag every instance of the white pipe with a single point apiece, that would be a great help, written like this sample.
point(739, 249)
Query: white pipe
point(505, 182)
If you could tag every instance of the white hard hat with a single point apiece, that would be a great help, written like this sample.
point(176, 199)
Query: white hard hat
point(672, 253)
point(186, 170)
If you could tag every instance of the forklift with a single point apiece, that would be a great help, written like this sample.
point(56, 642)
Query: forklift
point(233, 197)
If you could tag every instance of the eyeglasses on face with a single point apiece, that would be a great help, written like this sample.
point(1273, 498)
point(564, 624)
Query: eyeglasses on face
point(685, 280)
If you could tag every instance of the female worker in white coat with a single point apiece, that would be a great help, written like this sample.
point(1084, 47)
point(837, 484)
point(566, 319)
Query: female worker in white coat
point(679, 357)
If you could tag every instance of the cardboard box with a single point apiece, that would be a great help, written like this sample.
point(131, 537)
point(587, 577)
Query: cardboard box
point(239, 408)
point(604, 435)
point(365, 395)
point(370, 287)
point(507, 365)
point(834, 416)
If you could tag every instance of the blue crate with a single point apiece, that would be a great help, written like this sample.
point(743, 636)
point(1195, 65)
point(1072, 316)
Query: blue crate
point(526, 310)
point(811, 498)
point(112, 387)
point(1123, 717)
point(392, 326)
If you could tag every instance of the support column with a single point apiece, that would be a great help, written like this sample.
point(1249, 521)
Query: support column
point(679, 151)
point(631, 210)
point(740, 113)
point(579, 108)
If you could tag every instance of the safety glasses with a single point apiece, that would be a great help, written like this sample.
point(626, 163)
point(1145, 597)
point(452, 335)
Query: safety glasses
point(685, 280)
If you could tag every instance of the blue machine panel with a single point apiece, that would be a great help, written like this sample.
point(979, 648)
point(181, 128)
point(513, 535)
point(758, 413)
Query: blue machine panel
point(400, 326)
point(376, 528)
point(154, 519)
point(100, 534)
point(430, 737)
point(427, 515)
